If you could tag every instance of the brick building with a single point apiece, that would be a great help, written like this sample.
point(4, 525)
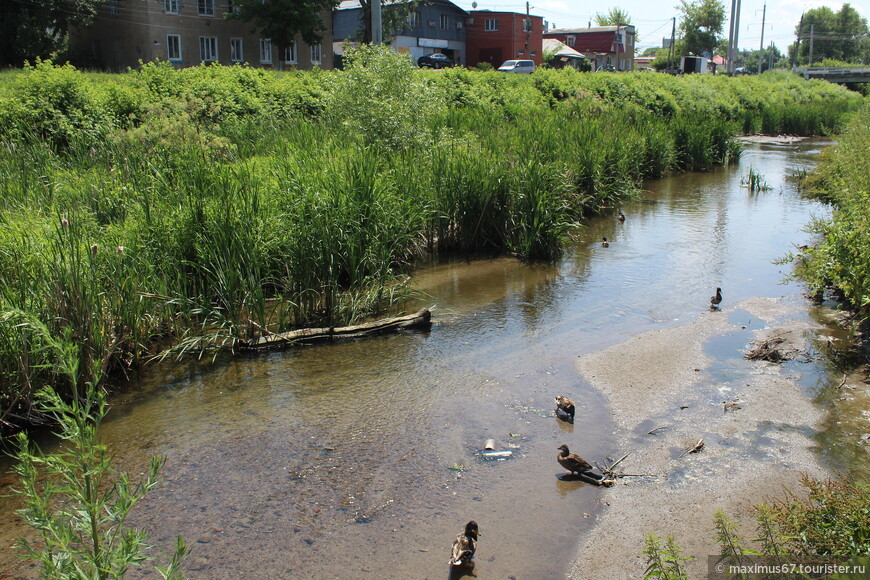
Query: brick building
point(187, 33)
point(495, 37)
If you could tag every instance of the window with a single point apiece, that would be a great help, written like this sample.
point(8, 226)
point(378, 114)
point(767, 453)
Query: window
point(491, 24)
point(315, 53)
point(237, 53)
point(265, 50)
point(444, 21)
point(208, 48)
point(173, 47)
point(570, 40)
point(113, 7)
point(205, 7)
point(170, 6)
point(413, 20)
point(233, 7)
point(458, 25)
point(290, 53)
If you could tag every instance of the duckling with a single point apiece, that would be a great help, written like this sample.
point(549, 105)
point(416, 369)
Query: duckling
point(620, 217)
point(715, 300)
point(464, 546)
point(565, 409)
point(605, 243)
point(571, 461)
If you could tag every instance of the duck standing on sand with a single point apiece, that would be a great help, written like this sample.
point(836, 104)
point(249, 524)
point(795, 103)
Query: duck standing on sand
point(605, 243)
point(565, 409)
point(571, 461)
point(716, 299)
point(464, 546)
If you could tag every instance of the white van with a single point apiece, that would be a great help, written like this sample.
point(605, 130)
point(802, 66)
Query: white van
point(518, 66)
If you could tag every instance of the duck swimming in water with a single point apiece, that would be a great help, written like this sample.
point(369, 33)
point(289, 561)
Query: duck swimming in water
point(621, 217)
point(605, 243)
point(464, 546)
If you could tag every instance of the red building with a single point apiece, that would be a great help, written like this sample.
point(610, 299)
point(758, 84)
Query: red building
point(609, 46)
point(495, 37)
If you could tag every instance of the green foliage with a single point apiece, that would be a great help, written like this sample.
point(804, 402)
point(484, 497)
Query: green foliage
point(833, 519)
point(32, 30)
point(282, 20)
point(664, 561)
point(701, 25)
point(74, 497)
point(842, 257)
point(380, 99)
point(837, 35)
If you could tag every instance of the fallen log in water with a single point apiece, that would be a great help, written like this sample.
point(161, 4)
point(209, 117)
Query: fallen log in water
point(420, 320)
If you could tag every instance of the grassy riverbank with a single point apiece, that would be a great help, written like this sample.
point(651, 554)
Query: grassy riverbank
point(199, 206)
point(842, 258)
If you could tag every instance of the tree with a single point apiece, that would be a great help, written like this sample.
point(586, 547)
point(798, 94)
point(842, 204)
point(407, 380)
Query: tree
point(394, 17)
point(31, 29)
point(614, 17)
point(282, 20)
point(701, 25)
point(835, 35)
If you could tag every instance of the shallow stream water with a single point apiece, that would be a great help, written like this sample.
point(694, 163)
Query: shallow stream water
point(361, 459)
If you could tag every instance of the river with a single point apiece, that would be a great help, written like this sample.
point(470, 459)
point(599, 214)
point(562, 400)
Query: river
point(361, 459)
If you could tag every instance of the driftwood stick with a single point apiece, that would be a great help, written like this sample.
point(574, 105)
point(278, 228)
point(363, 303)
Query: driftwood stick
point(698, 446)
point(843, 382)
point(420, 320)
point(610, 469)
point(653, 431)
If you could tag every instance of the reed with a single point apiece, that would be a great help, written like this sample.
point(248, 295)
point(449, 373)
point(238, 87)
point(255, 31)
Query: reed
point(226, 202)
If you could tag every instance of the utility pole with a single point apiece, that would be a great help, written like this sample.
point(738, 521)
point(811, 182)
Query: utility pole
point(377, 25)
point(618, 42)
point(528, 27)
point(761, 44)
point(812, 30)
point(729, 67)
point(671, 47)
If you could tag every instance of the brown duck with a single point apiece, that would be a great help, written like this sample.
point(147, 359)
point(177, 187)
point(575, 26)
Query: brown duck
point(564, 408)
point(571, 461)
point(464, 546)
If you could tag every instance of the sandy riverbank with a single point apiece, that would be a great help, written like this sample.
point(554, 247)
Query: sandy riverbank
point(666, 379)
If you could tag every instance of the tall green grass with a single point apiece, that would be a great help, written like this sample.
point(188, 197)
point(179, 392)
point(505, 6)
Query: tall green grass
point(204, 206)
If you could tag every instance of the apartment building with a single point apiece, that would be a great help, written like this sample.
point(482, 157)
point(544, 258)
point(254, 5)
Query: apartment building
point(188, 33)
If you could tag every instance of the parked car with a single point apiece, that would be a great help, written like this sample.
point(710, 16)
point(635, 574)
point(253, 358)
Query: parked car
point(435, 60)
point(607, 68)
point(518, 66)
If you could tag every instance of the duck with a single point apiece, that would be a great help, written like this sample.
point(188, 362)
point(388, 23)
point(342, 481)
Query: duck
point(716, 299)
point(565, 408)
point(571, 461)
point(605, 243)
point(465, 545)
point(620, 217)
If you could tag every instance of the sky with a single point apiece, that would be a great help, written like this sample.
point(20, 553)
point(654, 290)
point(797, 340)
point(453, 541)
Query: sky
point(652, 18)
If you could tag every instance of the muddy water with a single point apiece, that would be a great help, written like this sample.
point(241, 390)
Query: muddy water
point(361, 460)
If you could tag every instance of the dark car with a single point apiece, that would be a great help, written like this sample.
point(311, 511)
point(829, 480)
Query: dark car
point(435, 60)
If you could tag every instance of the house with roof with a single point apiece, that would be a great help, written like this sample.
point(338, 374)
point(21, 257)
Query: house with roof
point(495, 37)
point(565, 56)
point(432, 26)
point(606, 46)
point(187, 33)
